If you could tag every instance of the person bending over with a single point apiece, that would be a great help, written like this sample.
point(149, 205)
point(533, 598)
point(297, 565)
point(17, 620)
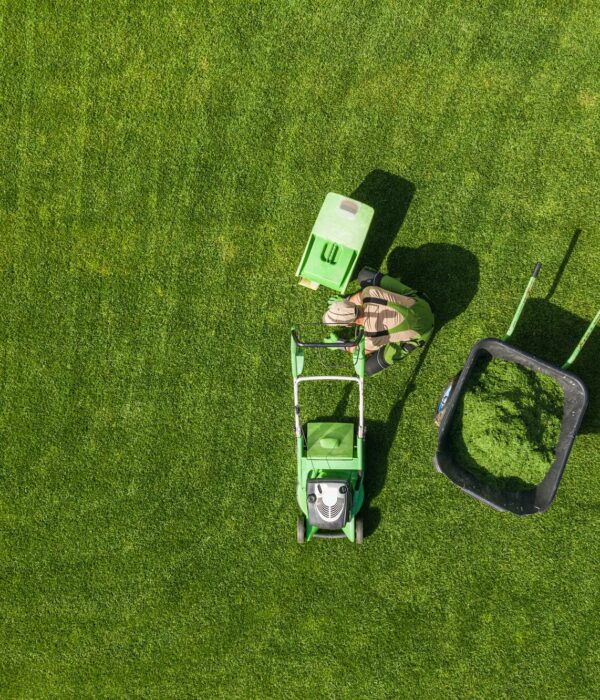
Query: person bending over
point(396, 318)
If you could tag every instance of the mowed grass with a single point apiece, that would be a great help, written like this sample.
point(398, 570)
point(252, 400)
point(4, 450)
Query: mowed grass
point(161, 165)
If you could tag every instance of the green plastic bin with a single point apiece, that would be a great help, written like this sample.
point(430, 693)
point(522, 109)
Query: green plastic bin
point(335, 243)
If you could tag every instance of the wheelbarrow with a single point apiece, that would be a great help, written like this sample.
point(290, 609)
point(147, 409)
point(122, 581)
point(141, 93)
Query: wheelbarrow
point(538, 498)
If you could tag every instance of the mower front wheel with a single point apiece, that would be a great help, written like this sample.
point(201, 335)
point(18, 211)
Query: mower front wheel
point(358, 531)
point(301, 530)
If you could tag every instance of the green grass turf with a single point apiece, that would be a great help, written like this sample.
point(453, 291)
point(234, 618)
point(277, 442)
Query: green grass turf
point(161, 167)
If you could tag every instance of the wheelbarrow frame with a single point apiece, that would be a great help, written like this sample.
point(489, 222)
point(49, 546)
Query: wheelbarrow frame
point(539, 498)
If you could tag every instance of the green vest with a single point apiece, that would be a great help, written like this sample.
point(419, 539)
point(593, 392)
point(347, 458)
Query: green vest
point(417, 318)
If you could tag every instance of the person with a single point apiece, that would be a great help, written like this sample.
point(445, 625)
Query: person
point(396, 319)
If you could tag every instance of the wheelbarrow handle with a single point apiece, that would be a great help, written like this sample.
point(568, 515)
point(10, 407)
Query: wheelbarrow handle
point(526, 293)
point(583, 341)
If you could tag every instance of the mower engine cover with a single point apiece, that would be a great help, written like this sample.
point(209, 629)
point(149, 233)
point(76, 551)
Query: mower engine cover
point(328, 503)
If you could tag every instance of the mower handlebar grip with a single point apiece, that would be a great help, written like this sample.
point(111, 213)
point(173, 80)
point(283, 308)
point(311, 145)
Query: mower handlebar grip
point(337, 344)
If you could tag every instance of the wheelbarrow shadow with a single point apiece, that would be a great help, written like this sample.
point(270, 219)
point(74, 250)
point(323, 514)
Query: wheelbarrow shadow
point(549, 332)
point(390, 196)
point(449, 275)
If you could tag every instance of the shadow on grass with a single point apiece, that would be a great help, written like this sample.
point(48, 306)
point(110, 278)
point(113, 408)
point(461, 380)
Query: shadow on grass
point(564, 263)
point(390, 196)
point(449, 275)
point(550, 333)
point(340, 413)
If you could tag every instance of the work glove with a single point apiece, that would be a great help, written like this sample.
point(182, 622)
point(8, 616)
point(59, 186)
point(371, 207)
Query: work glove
point(331, 338)
point(333, 299)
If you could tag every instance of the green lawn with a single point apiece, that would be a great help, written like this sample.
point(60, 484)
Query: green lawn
point(161, 165)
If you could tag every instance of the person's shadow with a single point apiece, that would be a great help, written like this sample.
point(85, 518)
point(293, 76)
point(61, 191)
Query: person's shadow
point(449, 275)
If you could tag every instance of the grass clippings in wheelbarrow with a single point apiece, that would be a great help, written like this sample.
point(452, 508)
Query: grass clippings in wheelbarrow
point(507, 424)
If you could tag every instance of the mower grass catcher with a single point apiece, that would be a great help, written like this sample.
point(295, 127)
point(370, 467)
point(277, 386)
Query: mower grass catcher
point(335, 243)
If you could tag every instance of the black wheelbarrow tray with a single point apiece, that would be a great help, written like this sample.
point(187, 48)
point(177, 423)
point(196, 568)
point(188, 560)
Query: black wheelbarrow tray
point(538, 498)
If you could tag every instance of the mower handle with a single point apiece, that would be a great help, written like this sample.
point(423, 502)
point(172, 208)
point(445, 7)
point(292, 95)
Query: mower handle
point(337, 344)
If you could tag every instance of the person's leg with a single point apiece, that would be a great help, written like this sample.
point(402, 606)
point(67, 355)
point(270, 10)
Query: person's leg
point(368, 277)
point(388, 355)
point(376, 363)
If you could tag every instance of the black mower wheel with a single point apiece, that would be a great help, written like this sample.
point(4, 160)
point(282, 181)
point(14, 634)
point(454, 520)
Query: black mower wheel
point(301, 530)
point(359, 531)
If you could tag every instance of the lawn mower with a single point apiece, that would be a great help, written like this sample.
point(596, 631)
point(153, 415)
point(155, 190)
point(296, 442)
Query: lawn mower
point(335, 243)
point(330, 455)
point(539, 498)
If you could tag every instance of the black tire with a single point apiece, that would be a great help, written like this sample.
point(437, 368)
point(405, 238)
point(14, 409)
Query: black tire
point(301, 530)
point(359, 531)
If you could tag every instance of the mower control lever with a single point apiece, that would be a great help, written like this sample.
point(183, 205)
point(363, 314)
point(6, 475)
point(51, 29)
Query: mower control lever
point(337, 344)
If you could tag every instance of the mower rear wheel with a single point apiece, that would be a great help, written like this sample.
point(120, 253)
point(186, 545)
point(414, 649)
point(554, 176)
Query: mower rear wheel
point(301, 530)
point(358, 531)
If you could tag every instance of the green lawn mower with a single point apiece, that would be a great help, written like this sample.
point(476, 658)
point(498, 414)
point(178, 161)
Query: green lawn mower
point(330, 455)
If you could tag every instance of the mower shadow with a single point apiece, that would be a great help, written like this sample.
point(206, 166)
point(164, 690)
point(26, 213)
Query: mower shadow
point(390, 196)
point(380, 437)
point(551, 333)
point(340, 413)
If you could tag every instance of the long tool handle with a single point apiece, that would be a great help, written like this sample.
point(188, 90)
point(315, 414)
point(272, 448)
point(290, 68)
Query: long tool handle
point(583, 341)
point(526, 293)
